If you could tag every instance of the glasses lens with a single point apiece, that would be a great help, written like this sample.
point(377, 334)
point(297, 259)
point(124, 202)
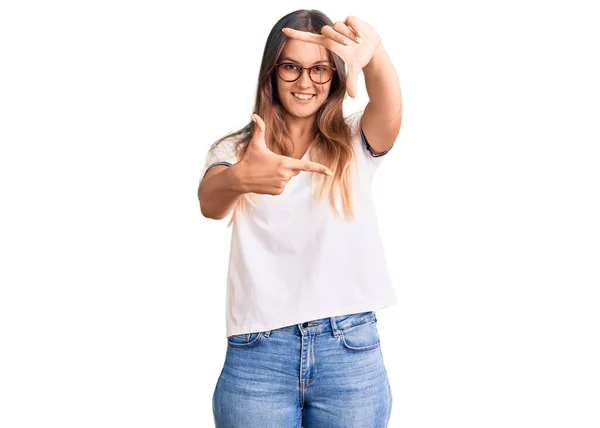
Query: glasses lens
point(289, 72)
point(321, 73)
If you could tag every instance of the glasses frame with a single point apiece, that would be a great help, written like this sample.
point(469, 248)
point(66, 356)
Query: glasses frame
point(302, 71)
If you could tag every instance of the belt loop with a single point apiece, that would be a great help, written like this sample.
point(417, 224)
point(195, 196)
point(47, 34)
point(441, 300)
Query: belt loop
point(267, 333)
point(334, 328)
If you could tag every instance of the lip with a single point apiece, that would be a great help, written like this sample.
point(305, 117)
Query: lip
point(304, 101)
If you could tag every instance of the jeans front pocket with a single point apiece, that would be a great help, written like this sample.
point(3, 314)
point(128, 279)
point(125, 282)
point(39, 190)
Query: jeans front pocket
point(361, 337)
point(245, 340)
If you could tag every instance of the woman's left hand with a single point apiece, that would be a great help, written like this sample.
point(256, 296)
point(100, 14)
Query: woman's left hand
point(353, 40)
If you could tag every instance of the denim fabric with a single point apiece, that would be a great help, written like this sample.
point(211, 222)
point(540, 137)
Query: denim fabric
point(216, 164)
point(325, 373)
point(368, 146)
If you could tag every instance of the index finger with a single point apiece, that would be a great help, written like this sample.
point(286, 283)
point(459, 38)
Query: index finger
point(309, 166)
point(306, 36)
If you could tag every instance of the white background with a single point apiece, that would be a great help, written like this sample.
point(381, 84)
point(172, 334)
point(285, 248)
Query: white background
point(113, 285)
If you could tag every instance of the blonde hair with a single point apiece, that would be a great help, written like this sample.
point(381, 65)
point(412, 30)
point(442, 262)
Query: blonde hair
point(332, 141)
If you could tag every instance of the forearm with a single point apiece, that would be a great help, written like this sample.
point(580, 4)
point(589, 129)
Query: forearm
point(219, 191)
point(383, 85)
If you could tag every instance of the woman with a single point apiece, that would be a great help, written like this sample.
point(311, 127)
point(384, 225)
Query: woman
point(304, 282)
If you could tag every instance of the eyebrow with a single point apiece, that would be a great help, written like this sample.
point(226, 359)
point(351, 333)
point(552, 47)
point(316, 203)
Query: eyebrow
point(298, 62)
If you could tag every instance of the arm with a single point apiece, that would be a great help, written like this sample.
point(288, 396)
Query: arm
point(219, 191)
point(382, 117)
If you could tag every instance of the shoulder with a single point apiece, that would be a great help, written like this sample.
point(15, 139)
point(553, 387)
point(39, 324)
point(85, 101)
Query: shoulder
point(353, 121)
point(356, 135)
point(221, 152)
point(228, 144)
point(361, 146)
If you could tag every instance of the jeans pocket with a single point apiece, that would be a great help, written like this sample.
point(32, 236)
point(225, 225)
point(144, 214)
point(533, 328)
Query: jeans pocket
point(245, 340)
point(361, 337)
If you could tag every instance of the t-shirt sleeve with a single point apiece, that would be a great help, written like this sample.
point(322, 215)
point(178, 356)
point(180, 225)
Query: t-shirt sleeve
point(222, 154)
point(364, 149)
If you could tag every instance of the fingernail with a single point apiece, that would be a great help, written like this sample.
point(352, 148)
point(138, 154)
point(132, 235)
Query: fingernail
point(252, 117)
point(328, 172)
point(358, 40)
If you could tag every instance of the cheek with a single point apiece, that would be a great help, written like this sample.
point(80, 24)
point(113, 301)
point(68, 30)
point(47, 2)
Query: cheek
point(282, 89)
point(281, 94)
point(325, 91)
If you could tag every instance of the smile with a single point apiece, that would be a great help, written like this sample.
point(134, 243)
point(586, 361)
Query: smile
point(303, 97)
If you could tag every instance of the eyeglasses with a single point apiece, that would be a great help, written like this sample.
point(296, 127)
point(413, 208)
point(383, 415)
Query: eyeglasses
point(291, 72)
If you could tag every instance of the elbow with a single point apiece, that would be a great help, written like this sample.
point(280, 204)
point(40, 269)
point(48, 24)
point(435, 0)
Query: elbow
point(204, 213)
point(207, 213)
point(203, 208)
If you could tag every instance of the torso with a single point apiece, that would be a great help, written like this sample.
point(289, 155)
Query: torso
point(300, 153)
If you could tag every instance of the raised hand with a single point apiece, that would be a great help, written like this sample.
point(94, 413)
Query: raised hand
point(353, 40)
point(265, 172)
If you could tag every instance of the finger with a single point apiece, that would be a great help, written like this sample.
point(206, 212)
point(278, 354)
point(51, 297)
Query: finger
point(260, 124)
point(351, 81)
point(259, 129)
point(305, 36)
point(346, 30)
point(352, 23)
point(309, 166)
point(340, 38)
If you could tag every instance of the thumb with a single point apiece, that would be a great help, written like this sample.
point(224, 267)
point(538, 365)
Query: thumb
point(259, 129)
point(351, 80)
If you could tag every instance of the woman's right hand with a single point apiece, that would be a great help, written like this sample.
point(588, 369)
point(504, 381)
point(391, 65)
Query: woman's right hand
point(265, 172)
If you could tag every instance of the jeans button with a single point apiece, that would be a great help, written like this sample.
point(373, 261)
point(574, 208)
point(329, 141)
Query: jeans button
point(304, 324)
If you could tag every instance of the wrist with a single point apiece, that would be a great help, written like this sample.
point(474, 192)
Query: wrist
point(378, 53)
point(237, 177)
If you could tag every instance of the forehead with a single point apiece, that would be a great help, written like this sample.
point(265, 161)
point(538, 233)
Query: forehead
point(304, 52)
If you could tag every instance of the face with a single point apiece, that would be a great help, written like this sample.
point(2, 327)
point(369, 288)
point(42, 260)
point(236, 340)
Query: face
point(304, 54)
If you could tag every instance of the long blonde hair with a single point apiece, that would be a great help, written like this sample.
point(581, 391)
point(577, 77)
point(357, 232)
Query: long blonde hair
point(331, 145)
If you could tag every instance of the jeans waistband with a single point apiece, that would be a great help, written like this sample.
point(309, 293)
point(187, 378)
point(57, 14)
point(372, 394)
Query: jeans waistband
point(332, 324)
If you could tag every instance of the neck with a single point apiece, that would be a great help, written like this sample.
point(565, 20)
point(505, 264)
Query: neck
point(300, 129)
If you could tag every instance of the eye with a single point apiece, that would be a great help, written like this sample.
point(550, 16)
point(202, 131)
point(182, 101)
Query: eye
point(290, 67)
point(321, 67)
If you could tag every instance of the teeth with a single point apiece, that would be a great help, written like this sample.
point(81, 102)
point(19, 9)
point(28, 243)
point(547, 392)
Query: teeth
point(303, 97)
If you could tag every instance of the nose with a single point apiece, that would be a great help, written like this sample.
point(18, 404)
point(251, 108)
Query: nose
point(304, 79)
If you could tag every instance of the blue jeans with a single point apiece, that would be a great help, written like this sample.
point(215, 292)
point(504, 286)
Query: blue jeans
point(325, 373)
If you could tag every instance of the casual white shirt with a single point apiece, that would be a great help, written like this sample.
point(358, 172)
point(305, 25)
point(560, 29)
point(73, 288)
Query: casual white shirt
point(291, 261)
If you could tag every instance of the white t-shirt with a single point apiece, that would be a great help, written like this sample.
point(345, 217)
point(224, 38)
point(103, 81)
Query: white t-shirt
point(292, 262)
